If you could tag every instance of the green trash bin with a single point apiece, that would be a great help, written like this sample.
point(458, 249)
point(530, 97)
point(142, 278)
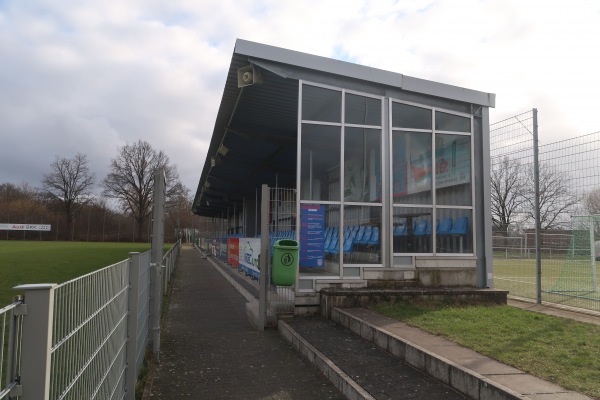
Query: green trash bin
point(285, 262)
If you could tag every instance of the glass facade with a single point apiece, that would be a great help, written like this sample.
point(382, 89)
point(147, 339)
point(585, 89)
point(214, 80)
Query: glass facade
point(362, 165)
point(341, 170)
point(320, 162)
point(431, 181)
point(427, 163)
point(412, 168)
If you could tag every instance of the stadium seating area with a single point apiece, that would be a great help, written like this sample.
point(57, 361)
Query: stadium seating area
point(361, 242)
point(450, 236)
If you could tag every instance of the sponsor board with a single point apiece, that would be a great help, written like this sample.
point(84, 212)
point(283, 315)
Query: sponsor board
point(25, 227)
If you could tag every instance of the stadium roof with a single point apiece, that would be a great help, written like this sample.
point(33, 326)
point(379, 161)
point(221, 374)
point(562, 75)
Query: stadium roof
point(255, 133)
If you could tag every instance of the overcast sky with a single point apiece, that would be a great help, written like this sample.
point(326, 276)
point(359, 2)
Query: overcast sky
point(91, 76)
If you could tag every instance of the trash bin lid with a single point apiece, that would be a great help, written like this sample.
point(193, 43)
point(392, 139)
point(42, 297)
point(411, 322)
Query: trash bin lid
point(286, 244)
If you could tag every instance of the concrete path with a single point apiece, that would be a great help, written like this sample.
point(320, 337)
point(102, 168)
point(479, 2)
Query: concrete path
point(210, 351)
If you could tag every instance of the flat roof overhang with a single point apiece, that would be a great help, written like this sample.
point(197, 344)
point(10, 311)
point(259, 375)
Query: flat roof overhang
point(255, 134)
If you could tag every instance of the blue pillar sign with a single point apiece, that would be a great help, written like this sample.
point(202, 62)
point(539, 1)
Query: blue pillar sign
point(312, 235)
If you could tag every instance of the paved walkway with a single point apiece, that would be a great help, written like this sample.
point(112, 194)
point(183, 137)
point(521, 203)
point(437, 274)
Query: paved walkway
point(209, 349)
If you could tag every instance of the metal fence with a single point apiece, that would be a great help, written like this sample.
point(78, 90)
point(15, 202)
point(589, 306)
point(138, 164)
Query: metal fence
point(547, 266)
point(278, 213)
point(85, 338)
point(10, 345)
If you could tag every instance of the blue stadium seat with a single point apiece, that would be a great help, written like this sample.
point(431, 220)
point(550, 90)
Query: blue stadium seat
point(422, 233)
point(460, 229)
point(374, 239)
point(366, 236)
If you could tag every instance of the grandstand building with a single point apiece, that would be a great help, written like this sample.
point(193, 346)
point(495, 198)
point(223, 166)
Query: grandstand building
point(376, 175)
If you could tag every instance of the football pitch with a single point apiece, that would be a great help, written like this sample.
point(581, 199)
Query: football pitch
point(564, 280)
point(25, 262)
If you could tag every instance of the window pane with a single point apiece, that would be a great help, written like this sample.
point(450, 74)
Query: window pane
point(362, 165)
point(411, 117)
point(454, 231)
point(412, 230)
point(320, 163)
point(411, 161)
point(362, 235)
point(453, 170)
point(319, 104)
point(450, 122)
point(362, 110)
point(332, 239)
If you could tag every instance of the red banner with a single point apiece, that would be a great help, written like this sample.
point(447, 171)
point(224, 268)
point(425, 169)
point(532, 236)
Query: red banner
point(233, 251)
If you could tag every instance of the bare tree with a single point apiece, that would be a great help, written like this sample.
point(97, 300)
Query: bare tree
point(179, 213)
point(131, 180)
point(591, 202)
point(555, 197)
point(69, 184)
point(508, 187)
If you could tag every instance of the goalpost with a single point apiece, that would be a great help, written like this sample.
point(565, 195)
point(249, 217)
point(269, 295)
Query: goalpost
point(579, 272)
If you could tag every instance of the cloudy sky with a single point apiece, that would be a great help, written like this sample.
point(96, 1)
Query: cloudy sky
point(91, 76)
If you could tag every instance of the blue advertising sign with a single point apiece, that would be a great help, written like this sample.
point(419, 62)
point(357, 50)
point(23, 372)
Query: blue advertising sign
point(312, 236)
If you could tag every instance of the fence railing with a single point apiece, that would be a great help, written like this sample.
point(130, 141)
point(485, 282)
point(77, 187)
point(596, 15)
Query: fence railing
point(85, 338)
point(550, 265)
point(10, 320)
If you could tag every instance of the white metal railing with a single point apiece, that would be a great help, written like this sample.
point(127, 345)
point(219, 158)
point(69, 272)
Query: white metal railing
point(90, 335)
point(85, 338)
point(10, 323)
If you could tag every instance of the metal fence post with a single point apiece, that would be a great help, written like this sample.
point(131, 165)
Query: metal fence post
point(132, 324)
point(263, 259)
point(158, 235)
point(538, 239)
point(36, 340)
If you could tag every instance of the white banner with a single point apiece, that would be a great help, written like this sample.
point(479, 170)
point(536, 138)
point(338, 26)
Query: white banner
point(24, 227)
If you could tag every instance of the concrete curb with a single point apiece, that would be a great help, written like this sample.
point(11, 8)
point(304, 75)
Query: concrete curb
point(467, 382)
point(339, 378)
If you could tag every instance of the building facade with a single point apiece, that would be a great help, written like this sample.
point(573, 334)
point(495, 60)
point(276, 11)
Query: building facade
point(389, 174)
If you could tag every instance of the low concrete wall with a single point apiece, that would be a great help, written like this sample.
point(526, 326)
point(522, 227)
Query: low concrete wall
point(351, 298)
point(469, 383)
point(446, 272)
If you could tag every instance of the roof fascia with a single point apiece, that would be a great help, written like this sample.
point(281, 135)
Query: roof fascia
point(361, 72)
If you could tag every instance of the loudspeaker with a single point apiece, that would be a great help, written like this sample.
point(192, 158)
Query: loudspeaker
point(248, 76)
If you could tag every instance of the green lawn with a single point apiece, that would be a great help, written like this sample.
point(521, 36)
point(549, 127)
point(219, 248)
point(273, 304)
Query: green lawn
point(23, 262)
point(564, 281)
point(556, 349)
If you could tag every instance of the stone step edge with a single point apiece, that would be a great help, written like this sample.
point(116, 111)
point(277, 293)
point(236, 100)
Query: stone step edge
point(346, 385)
point(464, 380)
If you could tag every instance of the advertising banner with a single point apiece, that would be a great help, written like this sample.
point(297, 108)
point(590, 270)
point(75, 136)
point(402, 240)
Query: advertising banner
point(413, 164)
point(249, 250)
point(452, 160)
point(24, 227)
point(312, 235)
point(233, 251)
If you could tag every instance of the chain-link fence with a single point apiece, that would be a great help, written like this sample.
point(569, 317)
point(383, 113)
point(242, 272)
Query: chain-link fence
point(560, 266)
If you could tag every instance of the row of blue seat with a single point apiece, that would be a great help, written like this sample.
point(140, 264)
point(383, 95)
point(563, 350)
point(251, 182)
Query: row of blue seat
point(423, 227)
point(365, 238)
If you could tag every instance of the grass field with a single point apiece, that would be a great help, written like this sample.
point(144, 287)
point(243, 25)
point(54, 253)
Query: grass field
point(23, 262)
point(564, 281)
point(560, 350)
